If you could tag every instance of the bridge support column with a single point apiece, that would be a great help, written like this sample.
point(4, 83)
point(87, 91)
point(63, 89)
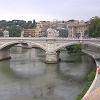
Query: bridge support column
point(51, 57)
point(4, 54)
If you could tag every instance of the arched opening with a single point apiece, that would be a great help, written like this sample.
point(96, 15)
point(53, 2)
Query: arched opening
point(66, 45)
point(78, 47)
point(83, 45)
point(75, 59)
point(15, 47)
point(11, 44)
point(66, 51)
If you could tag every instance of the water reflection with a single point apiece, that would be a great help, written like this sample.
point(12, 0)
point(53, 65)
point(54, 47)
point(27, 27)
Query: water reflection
point(27, 77)
point(77, 67)
point(26, 64)
point(5, 69)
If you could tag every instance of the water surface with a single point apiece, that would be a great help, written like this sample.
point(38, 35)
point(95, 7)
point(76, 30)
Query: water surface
point(27, 77)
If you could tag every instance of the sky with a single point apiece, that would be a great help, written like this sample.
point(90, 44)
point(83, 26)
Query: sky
point(42, 10)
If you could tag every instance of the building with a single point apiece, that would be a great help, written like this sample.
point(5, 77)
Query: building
point(58, 24)
point(31, 32)
point(71, 28)
point(27, 33)
point(76, 28)
point(43, 25)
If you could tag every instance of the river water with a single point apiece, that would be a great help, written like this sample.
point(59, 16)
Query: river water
point(27, 77)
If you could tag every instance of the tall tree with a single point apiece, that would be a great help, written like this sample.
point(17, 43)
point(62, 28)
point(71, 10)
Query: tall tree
point(34, 23)
point(94, 27)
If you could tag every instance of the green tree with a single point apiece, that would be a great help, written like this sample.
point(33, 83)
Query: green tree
point(74, 48)
point(94, 27)
point(34, 23)
point(14, 31)
point(29, 25)
point(1, 33)
point(3, 24)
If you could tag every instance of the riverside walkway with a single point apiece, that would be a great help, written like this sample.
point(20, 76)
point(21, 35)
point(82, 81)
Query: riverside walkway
point(94, 91)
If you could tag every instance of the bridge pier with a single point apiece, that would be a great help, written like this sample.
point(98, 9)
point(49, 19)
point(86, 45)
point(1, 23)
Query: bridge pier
point(4, 54)
point(52, 57)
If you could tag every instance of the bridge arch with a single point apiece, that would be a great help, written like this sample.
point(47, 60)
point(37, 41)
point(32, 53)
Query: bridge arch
point(74, 43)
point(65, 45)
point(8, 45)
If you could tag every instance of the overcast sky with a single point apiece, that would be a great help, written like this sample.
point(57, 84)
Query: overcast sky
point(49, 9)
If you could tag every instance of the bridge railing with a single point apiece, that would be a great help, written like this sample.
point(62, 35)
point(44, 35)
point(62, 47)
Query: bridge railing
point(58, 38)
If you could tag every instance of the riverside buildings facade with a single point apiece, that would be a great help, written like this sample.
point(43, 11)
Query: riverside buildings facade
point(75, 28)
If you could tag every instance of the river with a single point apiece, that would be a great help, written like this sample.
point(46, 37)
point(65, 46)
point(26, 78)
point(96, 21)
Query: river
point(27, 77)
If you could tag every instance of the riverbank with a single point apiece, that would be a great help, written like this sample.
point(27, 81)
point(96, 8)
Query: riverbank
point(91, 93)
point(90, 78)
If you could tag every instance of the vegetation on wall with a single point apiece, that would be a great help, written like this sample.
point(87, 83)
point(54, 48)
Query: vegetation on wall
point(74, 48)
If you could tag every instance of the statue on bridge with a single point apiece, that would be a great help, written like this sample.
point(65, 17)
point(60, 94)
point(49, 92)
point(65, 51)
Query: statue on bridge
point(52, 32)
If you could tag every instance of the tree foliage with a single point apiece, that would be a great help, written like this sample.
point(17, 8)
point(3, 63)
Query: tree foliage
point(15, 26)
point(74, 48)
point(14, 31)
point(21, 23)
point(94, 27)
point(29, 25)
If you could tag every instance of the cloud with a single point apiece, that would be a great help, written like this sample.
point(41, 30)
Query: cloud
point(49, 9)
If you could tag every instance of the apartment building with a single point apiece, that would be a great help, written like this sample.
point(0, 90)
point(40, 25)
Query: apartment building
point(76, 28)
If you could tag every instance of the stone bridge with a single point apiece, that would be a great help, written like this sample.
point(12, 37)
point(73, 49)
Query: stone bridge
point(49, 45)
